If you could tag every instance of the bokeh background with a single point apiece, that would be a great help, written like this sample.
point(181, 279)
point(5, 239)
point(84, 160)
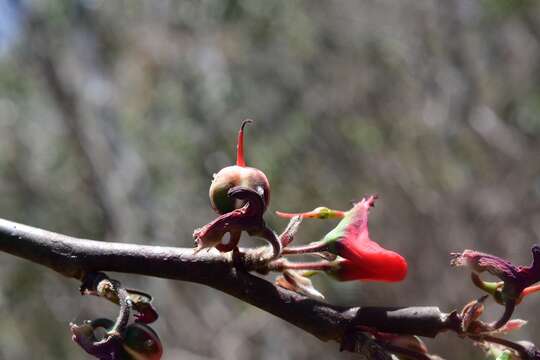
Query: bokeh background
point(115, 114)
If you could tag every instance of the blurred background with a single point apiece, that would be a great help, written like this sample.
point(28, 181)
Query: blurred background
point(115, 114)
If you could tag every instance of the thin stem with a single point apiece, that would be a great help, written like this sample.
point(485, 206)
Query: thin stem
point(124, 312)
point(318, 266)
point(305, 249)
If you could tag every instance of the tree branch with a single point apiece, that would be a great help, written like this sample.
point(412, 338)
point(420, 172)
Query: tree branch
point(74, 257)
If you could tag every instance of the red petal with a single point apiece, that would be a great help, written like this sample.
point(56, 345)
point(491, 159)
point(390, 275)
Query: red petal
point(391, 267)
point(366, 259)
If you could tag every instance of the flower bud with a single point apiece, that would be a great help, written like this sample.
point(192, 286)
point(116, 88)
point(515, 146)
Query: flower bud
point(237, 175)
point(363, 258)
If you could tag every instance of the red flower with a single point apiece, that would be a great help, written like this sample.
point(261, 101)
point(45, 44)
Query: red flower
point(364, 259)
point(360, 258)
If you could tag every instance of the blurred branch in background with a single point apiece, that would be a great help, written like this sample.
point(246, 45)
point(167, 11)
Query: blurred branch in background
point(113, 170)
point(67, 104)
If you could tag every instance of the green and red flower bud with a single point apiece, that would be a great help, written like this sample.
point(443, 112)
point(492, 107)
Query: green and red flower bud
point(234, 176)
point(360, 257)
point(364, 259)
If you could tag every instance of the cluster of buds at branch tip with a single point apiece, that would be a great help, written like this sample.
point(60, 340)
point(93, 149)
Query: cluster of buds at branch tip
point(485, 335)
point(507, 293)
point(516, 281)
point(240, 194)
point(122, 340)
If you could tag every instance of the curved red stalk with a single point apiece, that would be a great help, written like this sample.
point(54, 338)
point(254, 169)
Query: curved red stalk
point(306, 249)
point(316, 266)
point(240, 161)
point(290, 215)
